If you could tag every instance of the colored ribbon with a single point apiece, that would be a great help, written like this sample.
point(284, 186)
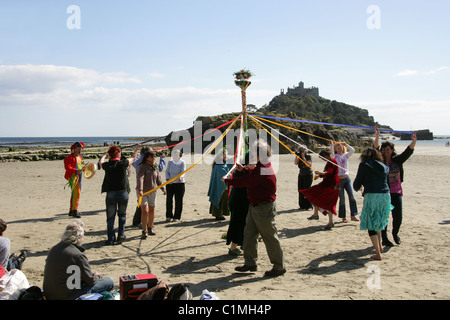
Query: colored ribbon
point(307, 164)
point(203, 156)
point(295, 142)
point(332, 124)
point(282, 125)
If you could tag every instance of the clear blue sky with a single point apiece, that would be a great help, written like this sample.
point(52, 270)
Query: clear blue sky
point(142, 68)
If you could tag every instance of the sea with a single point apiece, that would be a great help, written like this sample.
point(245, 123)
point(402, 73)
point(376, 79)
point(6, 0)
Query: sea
point(64, 141)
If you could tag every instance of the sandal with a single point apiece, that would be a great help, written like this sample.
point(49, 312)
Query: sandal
point(355, 218)
point(329, 226)
point(345, 220)
point(313, 217)
point(234, 252)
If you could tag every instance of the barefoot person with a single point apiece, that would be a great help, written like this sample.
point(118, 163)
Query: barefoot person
point(373, 176)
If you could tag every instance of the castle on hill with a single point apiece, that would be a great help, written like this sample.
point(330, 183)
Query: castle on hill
point(301, 91)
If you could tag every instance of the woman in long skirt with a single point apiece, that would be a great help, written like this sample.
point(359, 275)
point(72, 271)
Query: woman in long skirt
point(324, 195)
point(373, 176)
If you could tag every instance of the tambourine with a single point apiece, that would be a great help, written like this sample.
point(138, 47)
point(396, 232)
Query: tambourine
point(89, 170)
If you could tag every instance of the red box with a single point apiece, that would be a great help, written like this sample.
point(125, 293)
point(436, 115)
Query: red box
point(136, 282)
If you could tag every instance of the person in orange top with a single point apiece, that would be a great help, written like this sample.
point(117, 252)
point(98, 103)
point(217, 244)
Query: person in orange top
point(74, 169)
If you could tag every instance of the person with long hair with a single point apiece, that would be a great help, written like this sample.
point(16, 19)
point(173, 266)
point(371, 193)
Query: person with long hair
point(340, 153)
point(373, 175)
point(395, 163)
point(324, 195)
point(148, 178)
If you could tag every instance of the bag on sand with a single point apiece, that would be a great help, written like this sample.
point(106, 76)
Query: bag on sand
point(137, 216)
point(179, 292)
point(32, 293)
point(158, 292)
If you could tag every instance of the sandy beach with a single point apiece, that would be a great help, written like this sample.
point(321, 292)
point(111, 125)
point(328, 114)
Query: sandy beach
point(320, 264)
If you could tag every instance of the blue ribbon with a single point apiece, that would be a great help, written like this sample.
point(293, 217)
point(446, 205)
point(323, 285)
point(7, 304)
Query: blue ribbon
point(330, 124)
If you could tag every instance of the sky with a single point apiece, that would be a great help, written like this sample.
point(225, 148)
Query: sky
point(147, 68)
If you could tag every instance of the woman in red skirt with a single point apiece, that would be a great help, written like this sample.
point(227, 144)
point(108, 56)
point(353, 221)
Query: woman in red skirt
point(324, 195)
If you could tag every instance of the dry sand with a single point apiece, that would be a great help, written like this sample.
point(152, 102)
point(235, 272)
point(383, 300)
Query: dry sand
point(320, 264)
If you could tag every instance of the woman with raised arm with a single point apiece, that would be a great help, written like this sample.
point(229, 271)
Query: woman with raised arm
point(395, 164)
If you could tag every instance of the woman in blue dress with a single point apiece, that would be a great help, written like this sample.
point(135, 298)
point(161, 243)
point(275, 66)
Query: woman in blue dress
point(218, 190)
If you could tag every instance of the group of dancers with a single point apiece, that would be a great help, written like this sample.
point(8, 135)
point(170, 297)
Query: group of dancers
point(379, 177)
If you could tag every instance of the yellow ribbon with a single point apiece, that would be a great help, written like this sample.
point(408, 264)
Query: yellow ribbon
point(208, 152)
point(260, 126)
point(279, 124)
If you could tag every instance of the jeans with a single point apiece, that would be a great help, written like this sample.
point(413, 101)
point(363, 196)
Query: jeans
point(116, 201)
point(346, 186)
point(103, 284)
point(12, 263)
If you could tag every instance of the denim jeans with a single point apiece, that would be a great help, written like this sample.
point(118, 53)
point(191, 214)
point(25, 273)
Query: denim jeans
point(346, 186)
point(103, 284)
point(116, 202)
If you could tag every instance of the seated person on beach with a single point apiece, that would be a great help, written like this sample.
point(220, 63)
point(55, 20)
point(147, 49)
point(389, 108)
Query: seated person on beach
point(8, 261)
point(67, 273)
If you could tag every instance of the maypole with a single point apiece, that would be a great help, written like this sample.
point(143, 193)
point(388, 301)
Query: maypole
point(241, 80)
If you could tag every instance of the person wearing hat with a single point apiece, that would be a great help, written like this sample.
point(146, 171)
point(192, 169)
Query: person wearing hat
point(74, 169)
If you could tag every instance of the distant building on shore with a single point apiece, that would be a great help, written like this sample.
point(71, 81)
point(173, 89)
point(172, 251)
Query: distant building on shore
point(301, 91)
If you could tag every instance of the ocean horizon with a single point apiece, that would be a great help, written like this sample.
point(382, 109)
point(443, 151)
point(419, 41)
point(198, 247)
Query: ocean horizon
point(100, 140)
point(63, 141)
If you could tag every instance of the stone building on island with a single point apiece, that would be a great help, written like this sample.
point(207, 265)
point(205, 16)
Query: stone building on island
point(301, 91)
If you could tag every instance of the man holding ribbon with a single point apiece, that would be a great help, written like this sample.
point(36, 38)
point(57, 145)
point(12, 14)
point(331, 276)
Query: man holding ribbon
point(74, 170)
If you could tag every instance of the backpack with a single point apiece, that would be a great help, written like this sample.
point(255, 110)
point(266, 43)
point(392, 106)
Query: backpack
point(31, 293)
point(158, 292)
point(179, 292)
